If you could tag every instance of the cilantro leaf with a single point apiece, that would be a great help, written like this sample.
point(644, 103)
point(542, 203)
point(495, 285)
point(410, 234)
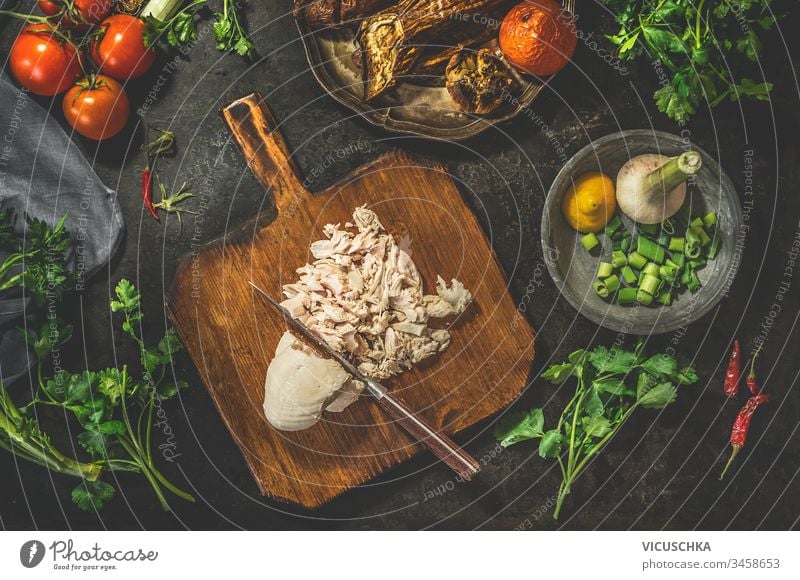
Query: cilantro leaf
point(170, 344)
point(751, 89)
point(659, 396)
point(615, 360)
point(687, 375)
point(592, 403)
point(612, 386)
point(94, 441)
point(519, 426)
point(168, 390)
point(597, 426)
point(128, 297)
point(558, 373)
point(661, 365)
point(550, 445)
point(92, 495)
point(110, 384)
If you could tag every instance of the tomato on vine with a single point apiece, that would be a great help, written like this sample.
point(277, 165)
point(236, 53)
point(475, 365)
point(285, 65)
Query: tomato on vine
point(119, 49)
point(43, 61)
point(79, 14)
point(97, 107)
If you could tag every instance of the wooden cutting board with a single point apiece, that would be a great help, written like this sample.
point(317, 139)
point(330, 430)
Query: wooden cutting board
point(231, 334)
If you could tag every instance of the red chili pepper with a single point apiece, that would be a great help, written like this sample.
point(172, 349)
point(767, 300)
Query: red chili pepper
point(734, 370)
point(158, 146)
point(147, 191)
point(752, 381)
point(741, 426)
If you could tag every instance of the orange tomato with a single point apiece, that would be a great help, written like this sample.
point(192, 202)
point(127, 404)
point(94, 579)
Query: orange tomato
point(538, 37)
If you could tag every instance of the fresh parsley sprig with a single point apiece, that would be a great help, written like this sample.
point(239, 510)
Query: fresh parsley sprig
point(178, 25)
point(611, 385)
point(229, 32)
point(700, 43)
point(113, 406)
point(36, 261)
point(178, 30)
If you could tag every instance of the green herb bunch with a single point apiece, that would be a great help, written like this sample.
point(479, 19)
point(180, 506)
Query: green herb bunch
point(180, 29)
point(610, 385)
point(700, 43)
point(114, 406)
point(37, 261)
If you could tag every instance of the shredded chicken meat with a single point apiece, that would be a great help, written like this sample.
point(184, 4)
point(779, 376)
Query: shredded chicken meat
point(363, 295)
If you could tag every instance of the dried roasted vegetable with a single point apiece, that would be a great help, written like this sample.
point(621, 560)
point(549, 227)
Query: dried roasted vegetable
point(393, 39)
point(322, 13)
point(477, 81)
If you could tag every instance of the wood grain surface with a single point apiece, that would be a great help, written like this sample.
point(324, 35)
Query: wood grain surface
point(231, 333)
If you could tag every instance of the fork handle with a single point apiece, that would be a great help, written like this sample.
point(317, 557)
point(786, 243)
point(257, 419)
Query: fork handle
point(441, 445)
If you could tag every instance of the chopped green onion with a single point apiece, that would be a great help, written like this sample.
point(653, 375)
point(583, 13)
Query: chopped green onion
point(709, 220)
point(625, 245)
point(702, 235)
point(649, 229)
point(650, 250)
point(678, 259)
point(637, 260)
point(697, 263)
point(651, 268)
point(628, 275)
point(686, 275)
point(696, 223)
point(667, 273)
point(694, 282)
point(604, 270)
point(664, 298)
point(589, 241)
point(643, 297)
point(626, 296)
point(662, 239)
point(692, 249)
point(613, 225)
point(668, 227)
point(675, 245)
point(612, 283)
point(650, 284)
point(618, 259)
point(600, 289)
point(713, 248)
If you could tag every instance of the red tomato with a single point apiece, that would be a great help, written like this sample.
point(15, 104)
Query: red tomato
point(42, 62)
point(120, 50)
point(91, 11)
point(97, 108)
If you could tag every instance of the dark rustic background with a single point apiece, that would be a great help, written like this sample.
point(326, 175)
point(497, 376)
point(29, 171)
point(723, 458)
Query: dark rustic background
point(661, 472)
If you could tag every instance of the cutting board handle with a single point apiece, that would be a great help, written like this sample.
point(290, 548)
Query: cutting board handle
point(257, 132)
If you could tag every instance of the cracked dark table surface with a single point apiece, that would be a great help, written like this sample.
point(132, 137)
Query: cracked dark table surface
point(660, 472)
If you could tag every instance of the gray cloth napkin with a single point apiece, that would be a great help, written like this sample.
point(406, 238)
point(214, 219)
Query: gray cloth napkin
point(44, 174)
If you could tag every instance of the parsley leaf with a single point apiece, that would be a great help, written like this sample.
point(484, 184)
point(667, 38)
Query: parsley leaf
point(550, 445)
point(661, 365)
point(659, 396)
point(92, 495)
point(615, 360)
point(516, 427)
